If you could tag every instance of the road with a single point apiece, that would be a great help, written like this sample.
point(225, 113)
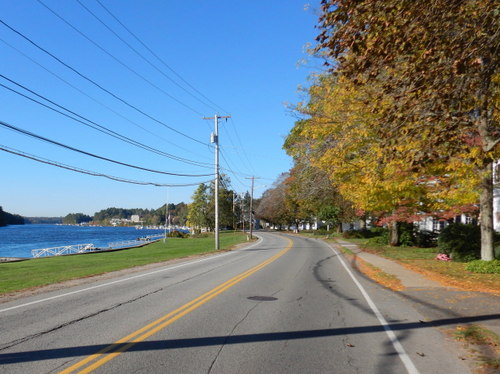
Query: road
point(284, 304)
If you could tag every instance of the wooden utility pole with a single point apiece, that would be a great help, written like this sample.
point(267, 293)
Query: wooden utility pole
point(251, 207)
point(215, 139)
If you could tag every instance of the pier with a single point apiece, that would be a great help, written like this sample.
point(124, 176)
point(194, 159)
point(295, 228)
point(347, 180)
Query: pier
point(64, 250)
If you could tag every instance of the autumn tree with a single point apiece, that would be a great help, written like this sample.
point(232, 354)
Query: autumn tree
point(436, 62)
point(273, 206)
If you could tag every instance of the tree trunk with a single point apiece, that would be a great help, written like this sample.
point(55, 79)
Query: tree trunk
point(486, 213)
point(339, 228)
point(394, 233)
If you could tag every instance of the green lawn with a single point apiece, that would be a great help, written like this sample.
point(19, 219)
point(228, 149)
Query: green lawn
point(17, 276)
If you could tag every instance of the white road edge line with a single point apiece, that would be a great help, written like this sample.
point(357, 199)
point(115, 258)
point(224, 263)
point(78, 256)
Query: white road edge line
point(408, 363)
point(127, 279)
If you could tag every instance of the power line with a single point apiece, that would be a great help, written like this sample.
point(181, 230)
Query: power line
point(241, 146)
point(141, 55)
point(118, 60)
point(42, 138)
point(95, 125)
point(228, 168)
point(159, 58)
point(98, 85)
point(231, 171)
point(88, 172)
point(95, 100)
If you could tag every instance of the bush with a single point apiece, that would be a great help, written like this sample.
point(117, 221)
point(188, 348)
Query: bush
point(461, 242)
point(425, 239)
point(202, 235)
point(484, 267)
point(378, 231)
point(357, 234)
point(177, 234)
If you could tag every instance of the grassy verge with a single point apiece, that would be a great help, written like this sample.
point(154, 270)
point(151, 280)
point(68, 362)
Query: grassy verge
point(373, 272)
point(482, 344)
point(423, 261)
point(17, 276)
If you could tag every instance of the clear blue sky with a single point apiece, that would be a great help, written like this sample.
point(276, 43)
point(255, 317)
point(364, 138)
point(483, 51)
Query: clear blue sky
point(244, 56)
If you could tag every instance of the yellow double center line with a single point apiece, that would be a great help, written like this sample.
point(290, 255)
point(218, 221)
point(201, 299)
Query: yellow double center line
point(106, 354)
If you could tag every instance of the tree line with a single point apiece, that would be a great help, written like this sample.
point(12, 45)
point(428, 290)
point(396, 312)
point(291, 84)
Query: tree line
point(153, 217)
point(403, 122)
point(10, 219)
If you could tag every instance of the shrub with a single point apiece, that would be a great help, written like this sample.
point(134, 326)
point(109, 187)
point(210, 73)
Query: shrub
point(357, 234)
point(202, 235)
point(177, 234)
point(425, 239)
point(379, 240)
point(484, 267)
point(461, 242)
point(378, 231)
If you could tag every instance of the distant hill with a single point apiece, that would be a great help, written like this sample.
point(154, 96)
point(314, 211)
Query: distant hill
point(43, 220)
point(10, 219)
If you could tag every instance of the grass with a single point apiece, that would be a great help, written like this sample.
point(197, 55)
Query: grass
point(485, 344)
point(423, 260)
point(16, 276)
point(380, 276)
point(373, 272)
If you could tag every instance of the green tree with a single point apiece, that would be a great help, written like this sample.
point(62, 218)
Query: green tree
point(76, 219)
point(198, 210)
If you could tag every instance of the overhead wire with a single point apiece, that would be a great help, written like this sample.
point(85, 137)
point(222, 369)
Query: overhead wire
point(141, 55)
point(249, 164)
point(159, 58)
point(132, 70)
point(231, 171)
point(47, 140)
point(98, 85)
point(88, 172)
point(89, 123)
point(95, 100)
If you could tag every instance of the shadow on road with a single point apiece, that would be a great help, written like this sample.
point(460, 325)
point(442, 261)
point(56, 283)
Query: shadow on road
point(55, 353)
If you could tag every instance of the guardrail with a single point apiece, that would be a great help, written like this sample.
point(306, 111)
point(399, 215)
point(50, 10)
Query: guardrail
point(63, 250)
point(152, 237)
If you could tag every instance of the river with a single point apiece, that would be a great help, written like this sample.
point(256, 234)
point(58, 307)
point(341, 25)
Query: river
point(19, 240)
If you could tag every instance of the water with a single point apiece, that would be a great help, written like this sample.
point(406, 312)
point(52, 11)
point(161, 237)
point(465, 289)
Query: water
point(19, 240)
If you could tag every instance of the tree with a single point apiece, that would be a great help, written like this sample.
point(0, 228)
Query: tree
point(10, 219)
point(197, 216)
point(437, 62)
point(226, 215)
point(341, 137)
point(76, 219)
point(330, 215)
point(276, 206)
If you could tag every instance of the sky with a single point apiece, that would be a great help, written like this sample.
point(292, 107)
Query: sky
point(83, 82)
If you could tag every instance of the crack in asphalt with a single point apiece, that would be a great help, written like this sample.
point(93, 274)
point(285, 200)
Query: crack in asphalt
point(58, 327)
point(113, 307)
point(233, 329)
point(228, 335)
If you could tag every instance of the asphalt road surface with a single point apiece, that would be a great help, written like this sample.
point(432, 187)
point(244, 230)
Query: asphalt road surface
point(284, 304)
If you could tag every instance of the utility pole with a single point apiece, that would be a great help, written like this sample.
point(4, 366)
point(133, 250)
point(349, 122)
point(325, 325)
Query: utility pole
point(251, 206)
point(215, 139)
point(166, 217)
point(242, 215)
